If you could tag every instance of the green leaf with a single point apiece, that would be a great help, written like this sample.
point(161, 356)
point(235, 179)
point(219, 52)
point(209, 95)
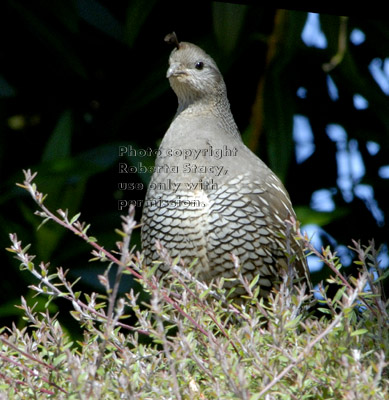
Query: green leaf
point(254, 281)
point(325, 310)
point(228, 21)
point(339, 294)
point(100, 17)
point(205, 293)
point(359, 332)
point(60, 359)
point(279, 97)
point(293, 323)
point(75, 218)
point(137, 13)
point(306, 215)
point(58, 146)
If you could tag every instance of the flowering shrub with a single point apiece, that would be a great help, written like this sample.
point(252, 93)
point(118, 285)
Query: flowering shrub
point(202, 345)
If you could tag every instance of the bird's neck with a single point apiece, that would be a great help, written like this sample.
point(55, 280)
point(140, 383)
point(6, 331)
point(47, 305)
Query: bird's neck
point(193, 106)
point(218, 106)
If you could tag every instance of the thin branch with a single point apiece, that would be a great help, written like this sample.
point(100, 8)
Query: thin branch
point(311, 344)
point(32, 358)
point(32, 372)
point(342, 46)
point(80, 230)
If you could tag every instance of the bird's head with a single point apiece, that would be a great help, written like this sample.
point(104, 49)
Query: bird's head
point(193, 74)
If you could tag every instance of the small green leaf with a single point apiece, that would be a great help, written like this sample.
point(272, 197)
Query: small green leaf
point(121, 233)
point(205, 293)
point(58, 360)
point(75, 218)
point(324, 310)
point(58, 145)
point(293, 323)
point(254, 281)
point(26, 248)
point(359, 332)
point(43, 222)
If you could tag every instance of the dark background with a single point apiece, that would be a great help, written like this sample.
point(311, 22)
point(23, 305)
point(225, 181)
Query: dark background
point(79, 78)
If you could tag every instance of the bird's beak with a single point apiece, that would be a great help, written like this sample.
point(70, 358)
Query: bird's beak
point(175, 69)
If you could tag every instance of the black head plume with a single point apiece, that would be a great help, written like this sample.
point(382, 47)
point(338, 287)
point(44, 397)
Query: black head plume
point(171, 38)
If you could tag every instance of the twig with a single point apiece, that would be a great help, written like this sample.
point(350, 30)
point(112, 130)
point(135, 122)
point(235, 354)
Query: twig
point(32, 358)
point(80, 230)
point(330, 264)
point(32, 372)
point(26, 259)
point(311, 344)
point(342, 46)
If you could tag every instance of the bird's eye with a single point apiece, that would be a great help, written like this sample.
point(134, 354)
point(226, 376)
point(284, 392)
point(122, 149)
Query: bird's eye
point(199, 65)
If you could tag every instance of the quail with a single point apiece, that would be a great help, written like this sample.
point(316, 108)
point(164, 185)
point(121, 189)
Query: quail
point(209, 195)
